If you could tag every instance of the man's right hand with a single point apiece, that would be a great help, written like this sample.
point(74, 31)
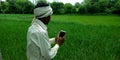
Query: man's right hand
point(59, 40)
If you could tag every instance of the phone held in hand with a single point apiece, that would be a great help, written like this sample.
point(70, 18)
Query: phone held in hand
point(62, 33)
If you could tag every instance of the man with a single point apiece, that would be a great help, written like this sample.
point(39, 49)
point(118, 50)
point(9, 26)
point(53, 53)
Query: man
point(38, 42)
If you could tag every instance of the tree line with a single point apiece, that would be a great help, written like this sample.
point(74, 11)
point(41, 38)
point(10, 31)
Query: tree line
point(86, 7)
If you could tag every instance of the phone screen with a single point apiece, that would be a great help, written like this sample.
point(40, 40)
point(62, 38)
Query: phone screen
point(62, 33)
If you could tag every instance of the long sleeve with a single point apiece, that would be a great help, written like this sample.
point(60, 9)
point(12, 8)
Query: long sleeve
point(54, 51)
point(45, 47)
point(52, 40)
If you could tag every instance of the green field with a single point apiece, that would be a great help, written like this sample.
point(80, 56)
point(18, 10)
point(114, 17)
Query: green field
point(88, 37)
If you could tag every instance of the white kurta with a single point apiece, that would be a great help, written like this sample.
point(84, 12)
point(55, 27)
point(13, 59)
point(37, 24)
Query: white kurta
point(38, 42)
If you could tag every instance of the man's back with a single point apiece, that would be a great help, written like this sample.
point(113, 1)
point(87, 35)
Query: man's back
point(36, 37)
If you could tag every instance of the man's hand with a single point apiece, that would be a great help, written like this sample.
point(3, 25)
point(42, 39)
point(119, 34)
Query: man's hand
point(59, 40)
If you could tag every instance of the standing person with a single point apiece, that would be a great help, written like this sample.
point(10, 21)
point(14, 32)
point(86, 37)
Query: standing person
point(38, 42)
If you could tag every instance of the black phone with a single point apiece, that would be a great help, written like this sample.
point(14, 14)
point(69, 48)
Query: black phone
point(62, 33)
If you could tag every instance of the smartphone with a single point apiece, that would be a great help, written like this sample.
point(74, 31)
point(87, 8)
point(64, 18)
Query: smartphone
point(62, 33)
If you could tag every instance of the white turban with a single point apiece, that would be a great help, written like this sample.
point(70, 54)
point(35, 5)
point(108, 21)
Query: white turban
point(42, 12)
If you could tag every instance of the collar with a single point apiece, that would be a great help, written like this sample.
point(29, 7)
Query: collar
point(39, 22)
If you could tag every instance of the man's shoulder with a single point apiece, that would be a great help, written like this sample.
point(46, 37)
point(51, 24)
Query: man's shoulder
point(35, 30)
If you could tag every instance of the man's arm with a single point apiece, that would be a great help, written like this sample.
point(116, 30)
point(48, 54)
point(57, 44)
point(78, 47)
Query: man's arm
point(59, 41)
point(52, 40)
point(53, 51)
point(46, 50)
point(42, 41)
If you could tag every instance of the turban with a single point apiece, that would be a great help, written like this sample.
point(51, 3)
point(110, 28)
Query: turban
point(42, 12)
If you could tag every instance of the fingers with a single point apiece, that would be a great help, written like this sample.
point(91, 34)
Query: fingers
point(59, 40)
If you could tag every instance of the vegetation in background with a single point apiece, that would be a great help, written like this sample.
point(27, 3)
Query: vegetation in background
point(86, 7)
point(16, 6)
point(87, 38)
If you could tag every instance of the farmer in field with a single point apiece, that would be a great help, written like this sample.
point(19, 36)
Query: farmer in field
point(38, 42)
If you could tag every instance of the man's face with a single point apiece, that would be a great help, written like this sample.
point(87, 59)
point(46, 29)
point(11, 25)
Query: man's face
point(47, 19)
